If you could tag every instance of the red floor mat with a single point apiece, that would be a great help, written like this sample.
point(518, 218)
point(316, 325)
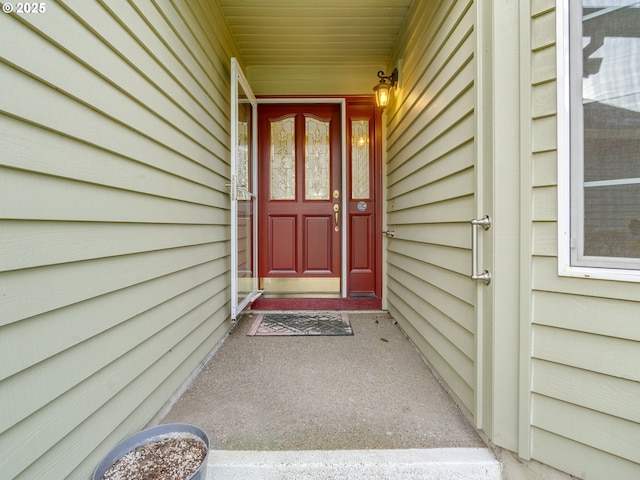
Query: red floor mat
point(317, 304)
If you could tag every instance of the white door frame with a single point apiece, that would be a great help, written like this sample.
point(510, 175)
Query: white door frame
point(343, 161)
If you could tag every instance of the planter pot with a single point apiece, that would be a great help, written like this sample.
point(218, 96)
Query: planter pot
point(154, 434)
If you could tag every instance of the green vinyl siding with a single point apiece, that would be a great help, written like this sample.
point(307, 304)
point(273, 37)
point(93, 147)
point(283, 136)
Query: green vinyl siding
point(577, 384)
point(430, 190)
point(114, 230)
point(114, 221)
point(585, 333)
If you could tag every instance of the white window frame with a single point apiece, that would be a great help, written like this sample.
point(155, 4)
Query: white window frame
point(568, 266)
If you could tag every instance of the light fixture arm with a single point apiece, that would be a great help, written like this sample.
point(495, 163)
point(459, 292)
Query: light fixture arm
point(392, 79)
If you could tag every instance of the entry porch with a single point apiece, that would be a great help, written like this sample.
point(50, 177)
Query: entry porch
point(361, 406)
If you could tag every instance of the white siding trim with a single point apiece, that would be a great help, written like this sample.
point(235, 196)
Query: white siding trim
point(526, 236)
point(564, 138)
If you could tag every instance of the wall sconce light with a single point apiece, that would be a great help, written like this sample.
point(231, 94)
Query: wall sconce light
point(383, 89)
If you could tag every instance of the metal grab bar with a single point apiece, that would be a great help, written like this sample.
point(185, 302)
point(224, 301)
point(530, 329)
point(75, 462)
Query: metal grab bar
point(484, 222)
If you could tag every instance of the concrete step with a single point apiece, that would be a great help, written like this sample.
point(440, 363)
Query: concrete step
point(410, 464)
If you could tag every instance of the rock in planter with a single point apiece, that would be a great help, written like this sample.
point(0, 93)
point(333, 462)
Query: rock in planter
point(175, 451)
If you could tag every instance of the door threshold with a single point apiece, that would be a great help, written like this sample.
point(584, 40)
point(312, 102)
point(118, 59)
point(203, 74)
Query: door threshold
point(311, 286)
point(300, 295)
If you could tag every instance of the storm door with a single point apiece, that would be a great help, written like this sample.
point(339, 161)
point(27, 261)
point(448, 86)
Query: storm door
point(243, 191)
point(300, 200)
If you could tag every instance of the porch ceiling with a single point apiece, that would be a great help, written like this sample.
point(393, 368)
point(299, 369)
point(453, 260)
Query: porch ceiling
point(288, 33)
point(319, 46)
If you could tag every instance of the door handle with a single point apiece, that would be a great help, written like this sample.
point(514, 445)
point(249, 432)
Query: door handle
point(485, 223)
point(336, 213)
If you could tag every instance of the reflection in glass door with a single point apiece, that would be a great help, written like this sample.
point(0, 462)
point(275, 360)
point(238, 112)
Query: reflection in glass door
point(244, 273)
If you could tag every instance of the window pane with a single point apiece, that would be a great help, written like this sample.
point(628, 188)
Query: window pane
point(316, 160)
point(283, 159)
point(611, 119)
point(360, 175)
point(612, 221)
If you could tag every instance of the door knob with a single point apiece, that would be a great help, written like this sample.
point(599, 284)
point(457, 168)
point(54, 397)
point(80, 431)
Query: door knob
point(336, 210)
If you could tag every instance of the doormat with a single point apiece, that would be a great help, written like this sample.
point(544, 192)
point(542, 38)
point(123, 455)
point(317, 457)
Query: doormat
point(301, 324)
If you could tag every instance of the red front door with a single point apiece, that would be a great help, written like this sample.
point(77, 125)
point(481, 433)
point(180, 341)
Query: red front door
point(300, 199)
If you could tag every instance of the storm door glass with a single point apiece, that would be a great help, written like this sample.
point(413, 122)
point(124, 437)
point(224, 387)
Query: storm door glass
point(244, 251)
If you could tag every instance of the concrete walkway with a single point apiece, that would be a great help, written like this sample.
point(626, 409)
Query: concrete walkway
point(361, 407)
point(362, 392)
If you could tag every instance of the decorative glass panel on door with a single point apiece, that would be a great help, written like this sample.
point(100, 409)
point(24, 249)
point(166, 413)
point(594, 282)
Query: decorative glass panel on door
point(283, 159)
point(316, 161)
point(360, 174)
